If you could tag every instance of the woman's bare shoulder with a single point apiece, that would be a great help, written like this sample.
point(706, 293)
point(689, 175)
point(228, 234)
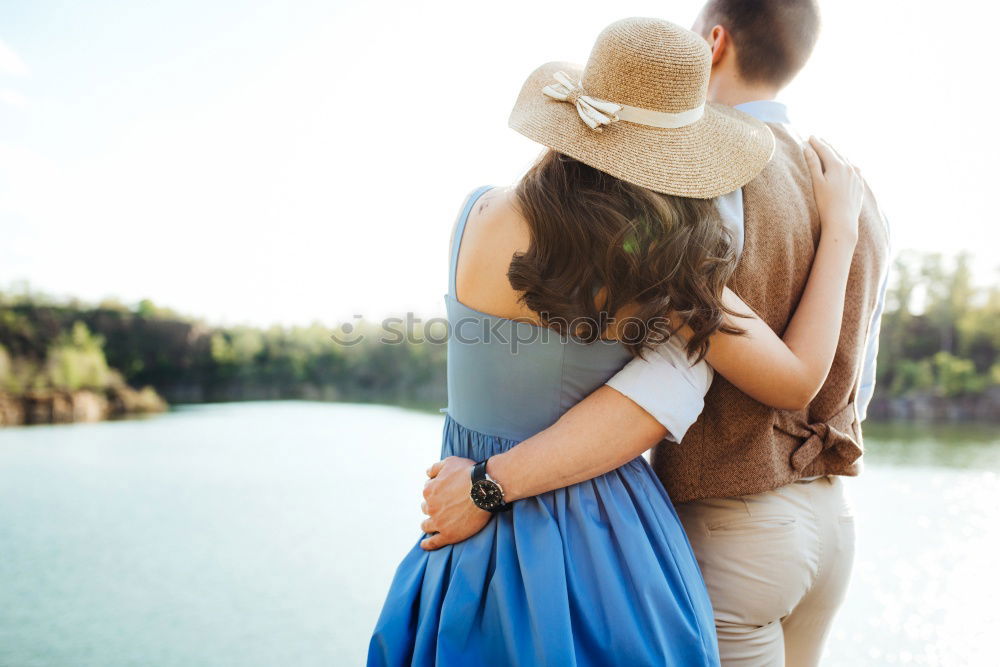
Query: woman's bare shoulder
point(495, 231)
point(494, 220)
point(497, 208)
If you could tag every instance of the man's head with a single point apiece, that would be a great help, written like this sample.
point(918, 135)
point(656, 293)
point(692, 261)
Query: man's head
point(758, 44)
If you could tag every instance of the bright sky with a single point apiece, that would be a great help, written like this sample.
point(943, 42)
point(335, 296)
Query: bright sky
point(272, 161)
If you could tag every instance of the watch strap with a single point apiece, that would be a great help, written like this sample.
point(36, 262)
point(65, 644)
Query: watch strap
point(479, 471)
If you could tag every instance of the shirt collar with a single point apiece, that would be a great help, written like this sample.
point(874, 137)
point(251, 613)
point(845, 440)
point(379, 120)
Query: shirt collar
point(767, 111)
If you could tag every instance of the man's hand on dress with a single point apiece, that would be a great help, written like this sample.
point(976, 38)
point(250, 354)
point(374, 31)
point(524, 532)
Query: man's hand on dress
point(451, 514)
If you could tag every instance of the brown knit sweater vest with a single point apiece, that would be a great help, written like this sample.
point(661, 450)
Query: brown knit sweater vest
point(739, 446)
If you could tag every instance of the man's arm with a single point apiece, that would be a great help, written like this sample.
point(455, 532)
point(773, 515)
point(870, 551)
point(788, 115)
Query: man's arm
point(604, 431)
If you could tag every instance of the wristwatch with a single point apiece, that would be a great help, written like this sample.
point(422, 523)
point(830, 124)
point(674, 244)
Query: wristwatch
point(487, 493)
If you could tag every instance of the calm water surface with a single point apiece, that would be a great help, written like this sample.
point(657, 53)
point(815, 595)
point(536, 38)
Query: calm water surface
point(266, 534)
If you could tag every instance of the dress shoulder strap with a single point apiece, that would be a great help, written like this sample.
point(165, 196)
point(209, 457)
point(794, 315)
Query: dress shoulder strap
point(456, 240)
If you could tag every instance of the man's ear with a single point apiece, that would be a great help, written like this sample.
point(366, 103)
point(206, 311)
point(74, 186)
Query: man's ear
point(718, 41)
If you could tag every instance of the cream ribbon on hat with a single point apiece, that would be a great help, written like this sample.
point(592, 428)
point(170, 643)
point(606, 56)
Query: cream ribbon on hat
point(595, 112)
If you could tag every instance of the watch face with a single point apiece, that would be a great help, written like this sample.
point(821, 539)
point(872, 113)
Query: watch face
point(487, 495)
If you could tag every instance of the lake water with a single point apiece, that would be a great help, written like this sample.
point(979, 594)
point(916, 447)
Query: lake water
point(266, 534)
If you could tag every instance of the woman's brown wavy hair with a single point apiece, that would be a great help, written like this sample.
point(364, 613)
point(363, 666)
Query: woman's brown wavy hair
point(602, 247)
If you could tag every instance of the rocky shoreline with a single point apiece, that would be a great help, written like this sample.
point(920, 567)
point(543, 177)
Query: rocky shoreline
point(930, 408)
point(84, 405)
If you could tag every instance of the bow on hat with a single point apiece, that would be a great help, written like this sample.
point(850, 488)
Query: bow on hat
point(593, 112)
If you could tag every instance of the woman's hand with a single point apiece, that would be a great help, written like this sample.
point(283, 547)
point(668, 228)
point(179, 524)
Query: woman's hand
point(838, 188)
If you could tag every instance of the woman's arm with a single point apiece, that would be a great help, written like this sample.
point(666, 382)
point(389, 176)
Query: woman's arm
point(787, 372)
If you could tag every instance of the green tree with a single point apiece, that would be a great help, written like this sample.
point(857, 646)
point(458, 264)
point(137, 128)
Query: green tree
point(76, 360)
point(949, 296)
point(955, 376)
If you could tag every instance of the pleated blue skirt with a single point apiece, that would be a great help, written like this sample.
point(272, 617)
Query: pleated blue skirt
point(598, 573)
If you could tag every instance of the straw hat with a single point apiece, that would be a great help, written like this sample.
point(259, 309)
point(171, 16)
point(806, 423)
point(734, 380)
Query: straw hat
point(638, 111)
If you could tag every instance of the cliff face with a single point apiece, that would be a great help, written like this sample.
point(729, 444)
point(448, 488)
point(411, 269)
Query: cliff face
point(11, 410)
point(60, 407)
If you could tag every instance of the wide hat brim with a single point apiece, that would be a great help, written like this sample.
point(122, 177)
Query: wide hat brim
point(719, 153)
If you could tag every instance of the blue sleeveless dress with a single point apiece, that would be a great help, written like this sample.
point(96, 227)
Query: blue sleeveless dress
point(599, 573)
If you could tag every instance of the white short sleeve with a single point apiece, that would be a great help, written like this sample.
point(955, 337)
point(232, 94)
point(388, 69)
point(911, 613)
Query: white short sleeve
point(666, 385)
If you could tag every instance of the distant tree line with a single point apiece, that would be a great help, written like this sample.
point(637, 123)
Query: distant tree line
point(48, 344)
point(940, 338)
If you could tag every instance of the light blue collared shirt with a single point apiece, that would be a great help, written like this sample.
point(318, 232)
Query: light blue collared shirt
point(668, 387)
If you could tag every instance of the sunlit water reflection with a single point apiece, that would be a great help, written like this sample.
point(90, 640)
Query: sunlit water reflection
point(266, 534)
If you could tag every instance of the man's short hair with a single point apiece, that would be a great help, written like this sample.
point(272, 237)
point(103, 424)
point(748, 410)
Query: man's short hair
point(773, 38)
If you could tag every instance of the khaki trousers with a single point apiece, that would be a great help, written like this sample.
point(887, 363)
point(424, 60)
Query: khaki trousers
point(777, 565)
